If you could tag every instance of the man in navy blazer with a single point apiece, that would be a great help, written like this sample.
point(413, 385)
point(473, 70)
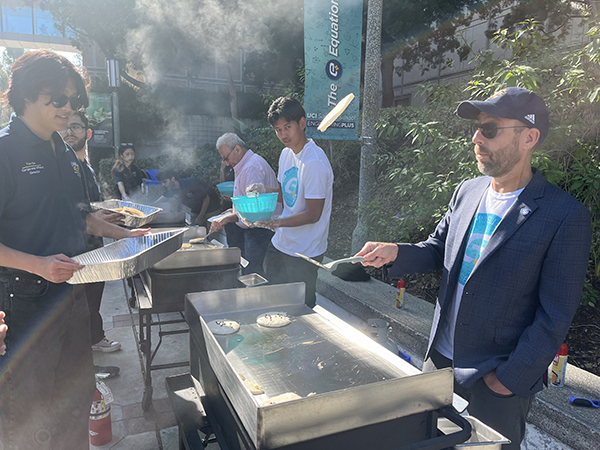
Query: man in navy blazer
point(514, 251)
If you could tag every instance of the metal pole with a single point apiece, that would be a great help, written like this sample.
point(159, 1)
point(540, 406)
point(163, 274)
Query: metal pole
point(116, 122)
point(369, 118)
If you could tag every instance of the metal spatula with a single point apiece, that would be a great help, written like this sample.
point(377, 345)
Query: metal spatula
point(333, 264)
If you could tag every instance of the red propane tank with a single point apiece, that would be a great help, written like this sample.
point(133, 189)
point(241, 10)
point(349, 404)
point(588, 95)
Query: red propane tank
point(100, 422)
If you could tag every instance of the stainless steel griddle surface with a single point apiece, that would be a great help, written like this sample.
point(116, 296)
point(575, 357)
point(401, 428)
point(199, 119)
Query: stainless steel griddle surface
point(307, 356)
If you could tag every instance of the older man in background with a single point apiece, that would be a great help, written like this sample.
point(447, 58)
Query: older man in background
point(249, 168)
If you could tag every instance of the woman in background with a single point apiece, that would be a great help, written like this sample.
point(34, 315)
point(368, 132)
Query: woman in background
point(126, 175)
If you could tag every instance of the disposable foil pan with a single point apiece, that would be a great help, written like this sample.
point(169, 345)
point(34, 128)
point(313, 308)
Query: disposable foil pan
point(126, 257)
point(131, 221)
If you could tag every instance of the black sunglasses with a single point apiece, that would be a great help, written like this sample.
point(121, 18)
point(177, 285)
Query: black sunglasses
point(490, 130)
point(61, 101)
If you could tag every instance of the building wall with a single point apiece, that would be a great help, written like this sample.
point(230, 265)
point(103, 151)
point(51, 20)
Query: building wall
point(406, 84)
point(187, 133)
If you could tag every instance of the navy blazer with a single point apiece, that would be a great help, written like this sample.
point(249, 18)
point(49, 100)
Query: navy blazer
point(523, 293)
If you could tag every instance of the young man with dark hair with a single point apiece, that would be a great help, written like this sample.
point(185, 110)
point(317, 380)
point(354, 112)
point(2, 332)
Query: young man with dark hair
point(306, 188)
point(46, 374)
point(197, 195)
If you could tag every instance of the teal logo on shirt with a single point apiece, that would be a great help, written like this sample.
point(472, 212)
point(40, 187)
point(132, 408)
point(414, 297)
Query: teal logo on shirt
point(289, 186)
point(480, 233)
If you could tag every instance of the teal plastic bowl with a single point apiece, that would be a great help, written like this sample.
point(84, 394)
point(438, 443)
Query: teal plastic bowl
point(226, 188)
point(258, 208)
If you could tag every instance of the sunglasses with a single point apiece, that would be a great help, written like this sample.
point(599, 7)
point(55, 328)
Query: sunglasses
point(580, 401)
point(61, 101)
point(490, 130)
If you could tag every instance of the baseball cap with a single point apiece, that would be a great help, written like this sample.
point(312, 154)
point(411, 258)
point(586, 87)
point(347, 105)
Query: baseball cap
point(511, 103)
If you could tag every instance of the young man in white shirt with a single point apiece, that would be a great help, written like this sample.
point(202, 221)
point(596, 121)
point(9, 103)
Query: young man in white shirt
point(305, 187)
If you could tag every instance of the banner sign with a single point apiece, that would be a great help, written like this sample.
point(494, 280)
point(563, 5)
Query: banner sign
point(100, 114)
point(332, 58)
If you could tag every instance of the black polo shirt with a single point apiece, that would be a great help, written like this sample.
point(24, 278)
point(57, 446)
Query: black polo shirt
point(42, 200)
point(131, 178)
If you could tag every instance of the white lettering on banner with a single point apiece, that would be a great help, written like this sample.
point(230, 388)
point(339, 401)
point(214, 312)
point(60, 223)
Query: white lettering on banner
point(332, 97)
point(333, 17)
point(333, 49)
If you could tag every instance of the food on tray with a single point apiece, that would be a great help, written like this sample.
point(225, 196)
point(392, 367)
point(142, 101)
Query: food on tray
point(288, 396)
point(254, 388)
point(273, 319)
point(223, 326)
point(129, 210)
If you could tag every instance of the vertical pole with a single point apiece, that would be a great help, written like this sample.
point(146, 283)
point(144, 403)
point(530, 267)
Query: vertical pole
point(369, 118)
point(116, 122)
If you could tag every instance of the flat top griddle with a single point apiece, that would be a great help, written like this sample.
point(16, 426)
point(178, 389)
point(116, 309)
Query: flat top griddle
point(305, 357)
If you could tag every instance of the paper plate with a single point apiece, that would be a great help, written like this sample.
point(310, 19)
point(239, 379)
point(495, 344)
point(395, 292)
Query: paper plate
point(335, 112)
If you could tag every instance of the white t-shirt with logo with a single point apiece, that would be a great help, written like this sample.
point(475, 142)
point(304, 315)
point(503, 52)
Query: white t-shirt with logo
point(306, 175)
point(492, 209)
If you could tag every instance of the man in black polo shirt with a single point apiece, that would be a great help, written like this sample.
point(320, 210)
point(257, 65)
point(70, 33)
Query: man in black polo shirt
point(198, 195)
point(46, 374)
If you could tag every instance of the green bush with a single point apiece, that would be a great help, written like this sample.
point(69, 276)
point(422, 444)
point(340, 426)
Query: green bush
point(423, 154)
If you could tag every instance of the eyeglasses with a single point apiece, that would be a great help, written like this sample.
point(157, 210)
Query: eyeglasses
point(62, 100)
point(490, 130)
point(226, 159)
point(75, 129)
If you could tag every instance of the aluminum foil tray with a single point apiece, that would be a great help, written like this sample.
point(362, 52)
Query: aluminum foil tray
point(126, 257)
point(131, 221)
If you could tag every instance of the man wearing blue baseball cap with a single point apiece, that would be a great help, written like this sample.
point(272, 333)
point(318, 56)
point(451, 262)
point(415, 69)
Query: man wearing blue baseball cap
point(513, 250)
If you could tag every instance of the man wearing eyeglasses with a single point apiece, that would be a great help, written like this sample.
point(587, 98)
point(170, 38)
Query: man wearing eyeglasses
point(46, 373)
point(249, 168)
point(513, 250)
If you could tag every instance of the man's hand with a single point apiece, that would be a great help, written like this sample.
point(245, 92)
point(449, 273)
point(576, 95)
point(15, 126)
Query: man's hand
point(3, 330)
point(378, 254)
point(256, 187)
point(272, 223)
point(111, 217)
point(139, 232)
point(57, 268)
point(495, 385)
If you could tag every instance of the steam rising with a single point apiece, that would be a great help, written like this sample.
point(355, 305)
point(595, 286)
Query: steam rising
point(185, 34)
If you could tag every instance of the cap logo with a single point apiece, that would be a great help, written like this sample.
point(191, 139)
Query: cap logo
point(531, 118)
point(498, 94)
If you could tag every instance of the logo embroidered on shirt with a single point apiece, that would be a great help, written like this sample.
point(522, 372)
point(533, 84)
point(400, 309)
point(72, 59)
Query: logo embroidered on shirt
point(32, 168)
point(76, 168)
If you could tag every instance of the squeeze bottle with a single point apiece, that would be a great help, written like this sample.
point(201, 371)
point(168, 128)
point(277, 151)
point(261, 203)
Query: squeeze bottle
point(559, 366)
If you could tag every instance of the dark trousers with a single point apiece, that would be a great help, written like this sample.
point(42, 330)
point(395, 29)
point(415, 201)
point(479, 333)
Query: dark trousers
point(505, 414)
point(93, 293)
point(47, 375)
point(282, 268)
point(252, 242)
point(256, 242)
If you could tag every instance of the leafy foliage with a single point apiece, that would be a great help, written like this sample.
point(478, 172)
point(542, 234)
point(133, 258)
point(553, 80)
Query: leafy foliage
point(422, 156)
